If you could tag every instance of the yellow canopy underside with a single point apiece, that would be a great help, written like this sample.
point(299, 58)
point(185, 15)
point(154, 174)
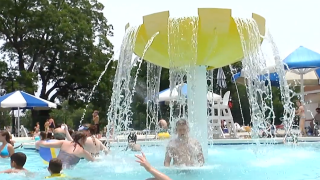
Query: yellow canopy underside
point(216, 44)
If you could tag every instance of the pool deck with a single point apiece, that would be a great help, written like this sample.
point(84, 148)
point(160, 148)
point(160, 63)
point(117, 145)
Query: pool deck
point(29, 144)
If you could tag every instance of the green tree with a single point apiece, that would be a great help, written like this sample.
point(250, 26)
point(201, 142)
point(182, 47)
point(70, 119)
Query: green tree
point(72, 116)
point(61, 43)
point(5, 118)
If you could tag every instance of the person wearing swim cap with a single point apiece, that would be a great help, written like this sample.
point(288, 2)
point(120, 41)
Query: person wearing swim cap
point(183, 150)
point(59, 133)
point(92, 144)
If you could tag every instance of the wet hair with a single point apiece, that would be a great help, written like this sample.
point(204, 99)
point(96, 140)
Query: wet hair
point(78, 136)
point(55, 166)
point(71, 131)
point(19, 158)
point(43, 135)
point(49, 135)
point(7, 136)
point(181, 122)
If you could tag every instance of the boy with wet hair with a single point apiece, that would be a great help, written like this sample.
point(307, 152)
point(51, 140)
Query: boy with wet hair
point(183, 150)
point(18, 160)
point(55, 168)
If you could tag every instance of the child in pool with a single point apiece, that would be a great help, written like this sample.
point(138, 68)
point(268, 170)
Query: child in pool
point(55, 168)
point(17, 162)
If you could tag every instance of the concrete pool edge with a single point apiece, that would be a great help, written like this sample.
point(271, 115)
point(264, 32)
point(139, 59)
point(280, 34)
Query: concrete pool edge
point(213, 142)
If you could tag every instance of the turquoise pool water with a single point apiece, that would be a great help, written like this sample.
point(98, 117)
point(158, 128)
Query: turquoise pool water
point(229, 162)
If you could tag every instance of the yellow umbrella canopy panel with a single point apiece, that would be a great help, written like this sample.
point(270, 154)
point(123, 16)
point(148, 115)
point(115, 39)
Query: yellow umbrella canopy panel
point(211, 39)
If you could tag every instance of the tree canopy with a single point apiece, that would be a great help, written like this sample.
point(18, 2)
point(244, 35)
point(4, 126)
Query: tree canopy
point(63, 44)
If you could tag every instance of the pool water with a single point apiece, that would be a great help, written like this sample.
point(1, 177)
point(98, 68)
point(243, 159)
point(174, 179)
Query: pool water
point(229, 162)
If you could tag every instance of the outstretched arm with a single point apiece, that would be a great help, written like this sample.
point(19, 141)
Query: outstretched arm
point(158, 175)
point(68, 136)
point(6, 171)
point(142, 160)
point(53, 144)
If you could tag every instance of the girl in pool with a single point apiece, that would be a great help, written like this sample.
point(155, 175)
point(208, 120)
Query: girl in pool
point(6, 148)
point(70, 151)
point(302, 117)
point(92, 144)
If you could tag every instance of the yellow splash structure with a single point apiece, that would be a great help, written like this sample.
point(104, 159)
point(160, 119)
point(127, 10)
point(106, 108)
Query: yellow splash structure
point(217, 39)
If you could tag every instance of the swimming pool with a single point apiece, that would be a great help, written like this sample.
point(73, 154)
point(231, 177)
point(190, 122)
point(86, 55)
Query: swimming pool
point(236, 162)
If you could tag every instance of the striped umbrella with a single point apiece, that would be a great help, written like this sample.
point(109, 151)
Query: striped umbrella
point(21, 100)
point(221, 80)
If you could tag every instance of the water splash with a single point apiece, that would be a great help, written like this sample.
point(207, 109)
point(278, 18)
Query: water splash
point(120, 114)
point(119, 106)
point(254, 64)
point(153, 85)
point(93, 89)
point(286, 92)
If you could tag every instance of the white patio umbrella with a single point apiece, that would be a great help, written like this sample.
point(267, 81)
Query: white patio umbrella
point(167, 95)
point(21, 100)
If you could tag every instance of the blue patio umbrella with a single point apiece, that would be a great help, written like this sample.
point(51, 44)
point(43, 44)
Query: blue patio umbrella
point(302, 64)
point(302, 58)
point(273, 77)
point(21, 100)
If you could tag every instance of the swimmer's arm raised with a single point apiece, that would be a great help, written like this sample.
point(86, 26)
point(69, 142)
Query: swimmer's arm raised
point(68, 136)
point(53, 144)
point(167, 159)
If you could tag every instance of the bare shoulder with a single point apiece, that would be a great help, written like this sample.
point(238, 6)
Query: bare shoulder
point(10, 145)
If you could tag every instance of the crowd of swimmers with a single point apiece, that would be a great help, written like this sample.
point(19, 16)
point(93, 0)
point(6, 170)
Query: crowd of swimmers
point(83, 144)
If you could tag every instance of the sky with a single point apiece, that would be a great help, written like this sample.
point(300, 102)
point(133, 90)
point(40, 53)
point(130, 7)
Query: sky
point(292, 22)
